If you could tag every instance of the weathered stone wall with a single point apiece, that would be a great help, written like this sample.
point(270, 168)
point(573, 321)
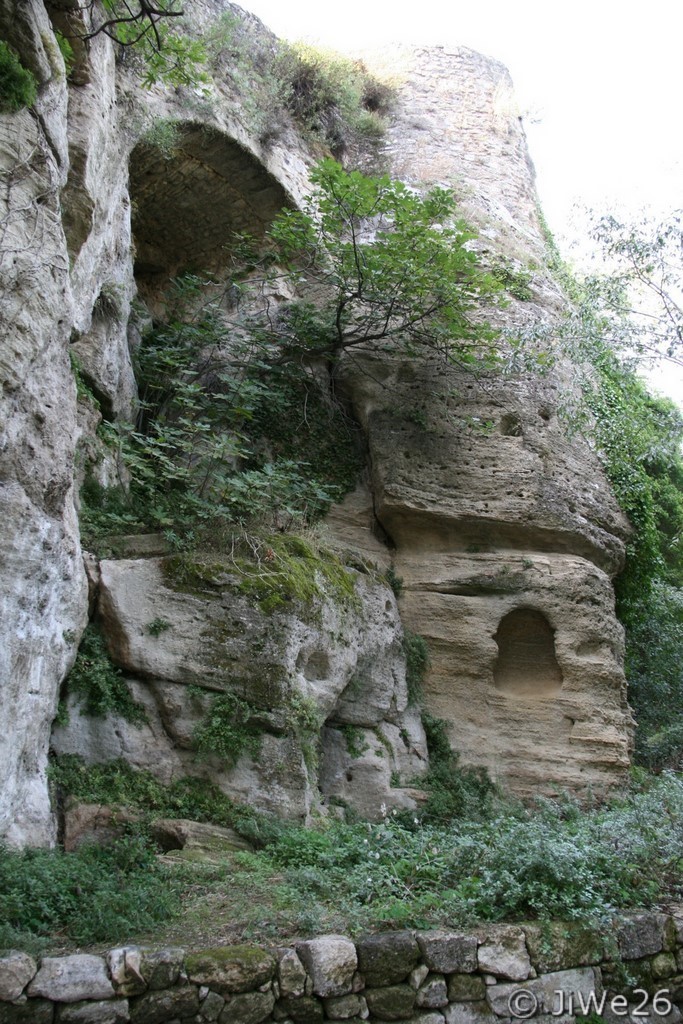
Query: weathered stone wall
point(497, 973)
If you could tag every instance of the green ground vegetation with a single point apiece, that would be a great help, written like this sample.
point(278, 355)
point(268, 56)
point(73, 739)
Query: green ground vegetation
point(556, 860)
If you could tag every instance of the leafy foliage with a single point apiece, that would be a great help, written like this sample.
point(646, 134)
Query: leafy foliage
point(223, 439)
point(555, 861)
point(642, 295)
point(117, 784)
point(639, 439)
point(164, 54)
point(17, 84)
point(397, 272)
point(333, 100)
point(96, 894)
point(454, 791)
point(417, 662)
point(99, 684)
point(228, 729)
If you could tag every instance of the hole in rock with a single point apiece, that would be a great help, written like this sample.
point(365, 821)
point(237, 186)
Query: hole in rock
point(511, 425)
point(526, 664)
point(315, 665)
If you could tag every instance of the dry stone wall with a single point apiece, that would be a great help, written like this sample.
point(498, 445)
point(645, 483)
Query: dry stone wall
point(499, 973)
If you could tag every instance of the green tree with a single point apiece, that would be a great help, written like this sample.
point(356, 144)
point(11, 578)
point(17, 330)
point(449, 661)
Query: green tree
point(167, 54)
point(642, 296)
point(617, 320)
point(394, 268)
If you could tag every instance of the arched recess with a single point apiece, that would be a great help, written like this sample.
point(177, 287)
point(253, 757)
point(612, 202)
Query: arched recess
point(526, 665)
point(187, 206)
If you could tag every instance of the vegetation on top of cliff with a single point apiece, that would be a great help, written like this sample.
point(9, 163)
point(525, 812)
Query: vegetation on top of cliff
point(332, 99)
point(17, 84)
point(639, 438)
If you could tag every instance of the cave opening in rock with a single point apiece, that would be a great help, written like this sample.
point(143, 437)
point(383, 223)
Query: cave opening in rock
point(189, 203)
point(527, 664)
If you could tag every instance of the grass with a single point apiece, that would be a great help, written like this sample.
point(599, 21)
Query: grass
point(556, 860)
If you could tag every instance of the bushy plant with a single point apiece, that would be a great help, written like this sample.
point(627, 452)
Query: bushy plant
point(228, 729)
point(639, 440)
point(97, 894)
point(17, 85)
point(417, 662)
point(98, 683)
point(117, 784)
point(454, 791)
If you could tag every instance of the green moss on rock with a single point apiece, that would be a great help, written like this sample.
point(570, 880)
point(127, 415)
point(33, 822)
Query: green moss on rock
point(231, 969)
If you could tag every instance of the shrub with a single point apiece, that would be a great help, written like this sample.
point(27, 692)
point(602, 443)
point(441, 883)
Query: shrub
point(417, 662)
point(17, 85)
point(227, 730)
point(116, 783)
point(99, 684)
point(92, 895)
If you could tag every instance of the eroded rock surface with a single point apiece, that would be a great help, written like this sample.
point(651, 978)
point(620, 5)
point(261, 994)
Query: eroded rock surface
point(309, 674)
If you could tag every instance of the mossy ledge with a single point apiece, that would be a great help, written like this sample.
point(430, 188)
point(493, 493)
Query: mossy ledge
point(272, 572)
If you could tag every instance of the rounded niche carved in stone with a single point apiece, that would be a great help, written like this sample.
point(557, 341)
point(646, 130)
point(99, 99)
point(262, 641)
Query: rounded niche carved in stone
point(526, 665)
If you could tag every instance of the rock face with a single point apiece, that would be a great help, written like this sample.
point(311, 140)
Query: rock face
point(67, 262)
point(307, 676)
point(505, 532)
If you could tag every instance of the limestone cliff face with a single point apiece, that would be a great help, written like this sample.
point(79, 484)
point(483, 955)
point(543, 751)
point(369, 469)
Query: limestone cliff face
point(506, 537)
point(506, 532)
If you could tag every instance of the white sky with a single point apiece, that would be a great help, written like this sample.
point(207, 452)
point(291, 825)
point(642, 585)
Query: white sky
point(599, 80)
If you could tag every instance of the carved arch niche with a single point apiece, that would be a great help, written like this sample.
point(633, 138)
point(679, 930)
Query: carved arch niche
point(526, 665)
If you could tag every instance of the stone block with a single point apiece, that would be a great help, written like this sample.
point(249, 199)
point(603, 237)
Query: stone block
point(542, 993)
point(248, 1008)
point(68, 979)
point(33, 1011)
point(125, 968)
point(344, 1007)
point(664, 965)
point(465, 988)
point(331, 962)
point(641, 935)
point(503, 953)
point(16, 971)
point(394, 1002)
point(230, 970)
point(162, 1007)
point(114, 1011)
point(302, 1010)
point(291, 974)
point(560, 946)
point(469, 1013)
point(210, 1005)
point(447, 952)
point(387, 959)
point(432, 993)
